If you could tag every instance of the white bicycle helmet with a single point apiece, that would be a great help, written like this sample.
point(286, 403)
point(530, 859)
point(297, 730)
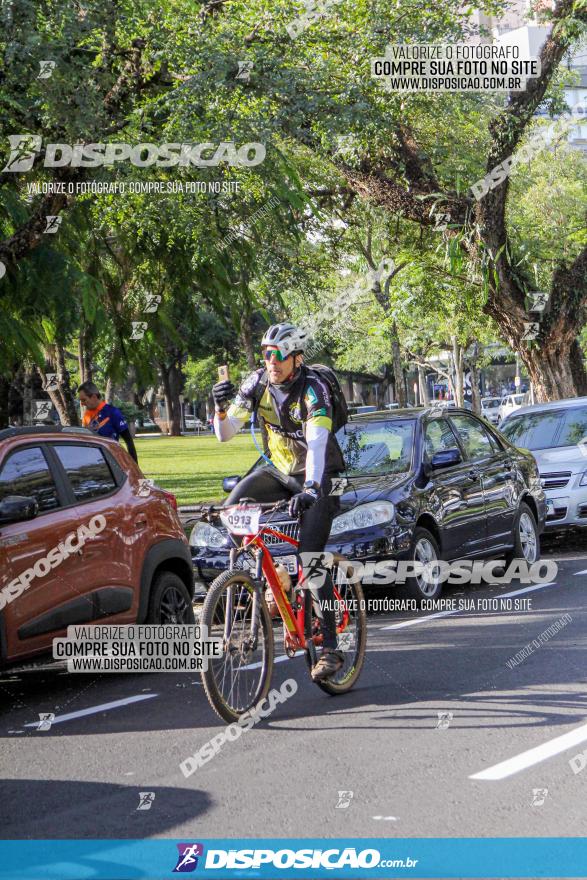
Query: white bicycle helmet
point(286, 337)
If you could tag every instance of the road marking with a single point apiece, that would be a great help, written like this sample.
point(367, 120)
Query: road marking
point(528, 589)
point(103, 707)
point(581, 572)
point(534, 756)
point(417, 620)
point(279, 659)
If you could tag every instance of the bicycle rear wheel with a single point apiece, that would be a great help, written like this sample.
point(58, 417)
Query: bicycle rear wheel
point(353, 639)
point(235, 611)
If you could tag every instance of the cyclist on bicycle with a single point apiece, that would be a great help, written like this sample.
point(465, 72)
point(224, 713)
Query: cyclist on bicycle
point(296, 409)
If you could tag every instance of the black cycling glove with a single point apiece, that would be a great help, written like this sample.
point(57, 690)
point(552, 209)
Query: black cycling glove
point(223, 392)
point(302, 501)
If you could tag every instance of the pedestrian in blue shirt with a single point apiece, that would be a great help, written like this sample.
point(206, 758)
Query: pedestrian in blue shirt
point(103, 418)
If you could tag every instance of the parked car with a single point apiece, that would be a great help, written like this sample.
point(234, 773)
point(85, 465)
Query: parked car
point(193, 424)
point(137, 569)
point(360, 410)
point(420, 484)
point(556, 434)
point(148, 426)
point(450, 404)
point(490, 409)
point(509, 404)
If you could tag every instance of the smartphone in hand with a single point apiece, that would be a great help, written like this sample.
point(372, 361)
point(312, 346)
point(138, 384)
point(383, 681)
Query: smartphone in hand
point(223, 373)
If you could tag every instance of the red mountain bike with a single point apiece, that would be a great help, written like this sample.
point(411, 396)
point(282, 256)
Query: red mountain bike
point(235, 610)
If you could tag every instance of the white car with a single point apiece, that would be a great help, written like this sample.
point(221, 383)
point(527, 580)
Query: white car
point(510, 404)
point(490, 409)
point(192, 423)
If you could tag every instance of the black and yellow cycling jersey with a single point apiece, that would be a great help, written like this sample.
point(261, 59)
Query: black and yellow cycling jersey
point(287, 410)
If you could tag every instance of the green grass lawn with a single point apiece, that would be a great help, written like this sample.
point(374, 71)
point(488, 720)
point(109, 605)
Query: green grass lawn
point(193, 467)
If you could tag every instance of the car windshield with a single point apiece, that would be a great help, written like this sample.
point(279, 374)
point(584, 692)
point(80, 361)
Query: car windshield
point(547, 429)
point(377, 448)
point(490, 402)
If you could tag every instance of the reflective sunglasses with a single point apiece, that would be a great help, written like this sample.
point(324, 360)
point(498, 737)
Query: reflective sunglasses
point(279, 356)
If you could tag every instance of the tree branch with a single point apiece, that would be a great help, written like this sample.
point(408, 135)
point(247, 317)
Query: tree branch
point(506, 131)
point(30, 234)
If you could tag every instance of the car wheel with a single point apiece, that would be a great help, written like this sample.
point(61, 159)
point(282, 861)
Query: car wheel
point(526, 538)
point(424, 549)
point(170, 600)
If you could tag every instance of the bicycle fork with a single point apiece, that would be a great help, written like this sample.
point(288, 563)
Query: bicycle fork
point(256, 608)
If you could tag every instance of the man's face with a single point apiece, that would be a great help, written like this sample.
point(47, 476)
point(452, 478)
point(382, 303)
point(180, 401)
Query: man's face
point(278, 371)
point(89, 401)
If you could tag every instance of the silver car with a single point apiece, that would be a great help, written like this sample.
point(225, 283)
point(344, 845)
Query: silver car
point(510, 403)
point(556, 434)
point(490, 409)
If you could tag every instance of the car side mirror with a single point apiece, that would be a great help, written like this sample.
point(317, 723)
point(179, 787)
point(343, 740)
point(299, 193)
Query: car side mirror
point(229, 483)
point(17, 508)
point(445, 458)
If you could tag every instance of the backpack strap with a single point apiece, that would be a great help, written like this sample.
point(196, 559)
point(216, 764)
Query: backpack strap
point(310, 374)
point(260, 389)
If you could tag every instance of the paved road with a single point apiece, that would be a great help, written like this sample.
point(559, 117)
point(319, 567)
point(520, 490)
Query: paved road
point(499, 768)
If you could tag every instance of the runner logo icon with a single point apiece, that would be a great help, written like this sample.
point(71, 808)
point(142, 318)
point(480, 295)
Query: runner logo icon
point(187, 860)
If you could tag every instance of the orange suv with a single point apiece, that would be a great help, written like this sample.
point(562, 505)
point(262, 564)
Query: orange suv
point(83, 538)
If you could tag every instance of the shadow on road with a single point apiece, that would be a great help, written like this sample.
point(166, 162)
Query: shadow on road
point(64, 809)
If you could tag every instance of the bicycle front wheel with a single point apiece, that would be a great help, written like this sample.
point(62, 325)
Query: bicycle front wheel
point(235, 612)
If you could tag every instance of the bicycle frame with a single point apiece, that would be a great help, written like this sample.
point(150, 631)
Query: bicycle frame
point(296, 623)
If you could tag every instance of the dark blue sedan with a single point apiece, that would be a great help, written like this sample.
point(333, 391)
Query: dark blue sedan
point(421, 484)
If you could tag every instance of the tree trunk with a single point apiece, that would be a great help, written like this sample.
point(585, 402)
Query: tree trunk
point(398, 373)
point(175, 381)
point(473, 366)
point(385, 383)
point(166, 396)
point(456, 357)
point(60, 393)
point(170, 379)
point(422, 387)
point(381, 294)
point(55, 395)
point(71, 409)
point(4, 391)
point(246, 339)
point(557, 371)
point(27, 396)
point(85, 355)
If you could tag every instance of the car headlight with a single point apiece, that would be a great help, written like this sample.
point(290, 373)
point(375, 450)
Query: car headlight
point(362, 517)
point(205, 535)
point(583, 479)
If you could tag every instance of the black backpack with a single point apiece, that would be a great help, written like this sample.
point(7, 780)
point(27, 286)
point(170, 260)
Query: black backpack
point(340, 412)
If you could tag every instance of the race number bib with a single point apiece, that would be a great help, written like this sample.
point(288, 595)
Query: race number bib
point(242, 520)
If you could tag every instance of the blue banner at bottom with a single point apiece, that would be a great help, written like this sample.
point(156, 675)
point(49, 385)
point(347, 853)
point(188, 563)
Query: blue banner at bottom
point(370, 857)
